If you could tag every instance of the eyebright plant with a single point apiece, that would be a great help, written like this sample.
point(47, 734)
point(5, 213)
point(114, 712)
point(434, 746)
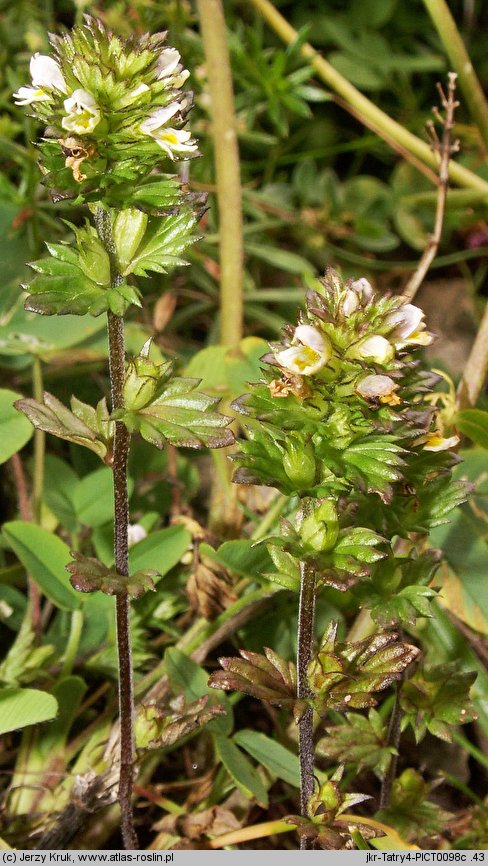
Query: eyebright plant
point(343, 422)
point(114, 119)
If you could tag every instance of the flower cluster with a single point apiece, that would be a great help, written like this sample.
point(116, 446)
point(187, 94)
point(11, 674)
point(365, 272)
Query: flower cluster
point(355, 327)
point(111, 109)
point(345, 411)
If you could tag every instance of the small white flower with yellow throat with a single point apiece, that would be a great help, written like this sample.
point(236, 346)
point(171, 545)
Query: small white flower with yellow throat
point(435, 441)
point(82, 113)
point(408, 327)
point(172, 141)
point(46, 77)
point(311, 352)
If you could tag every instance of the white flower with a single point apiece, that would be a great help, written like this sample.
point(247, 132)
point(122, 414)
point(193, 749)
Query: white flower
point(363, 289)
point(374, 348)
point(408, 327)
point(437, 442)
point(312, 353)
point(45, 73)
point(168, 62)
point(376, 386)
point(83, 113)
point(172, 141)
point(135, 533)
point(26, 95)
point(46, 77)
point(170, 68)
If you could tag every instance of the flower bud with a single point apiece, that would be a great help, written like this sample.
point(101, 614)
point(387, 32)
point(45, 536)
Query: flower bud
point(374, 348)
point(320, 530)
point(299, 463)
point(141, 382)
point(378, 387)
point(363, 289)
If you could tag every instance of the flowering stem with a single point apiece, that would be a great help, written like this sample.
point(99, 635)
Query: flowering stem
point(306, 615)
point(212, 23)
point(121, 546)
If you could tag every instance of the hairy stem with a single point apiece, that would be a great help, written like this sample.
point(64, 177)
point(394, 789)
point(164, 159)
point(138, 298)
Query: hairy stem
point(212, 24)
point(121, 545)
point(364, 109)
point(394, 732)
point(39, 444)
point(306, 615)
point(459, 57)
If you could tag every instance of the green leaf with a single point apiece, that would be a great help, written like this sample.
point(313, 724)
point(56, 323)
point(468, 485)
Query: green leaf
point(93, 497)
point(44, 556)
point(228, 371)
point(464, 588)
point(90, 575)
point(22, 707)
point(85, 426)
point(161, 550)
point(241, 770)
point(164, 241)
point(182, 415)
point(437, 698)
point(360, 740)
point(128, 232)
point(15, 430)
point(281, 259)
point(243, 557)
point(473, 423)
point(68, 694)
point(189, 679)
point(76, 280)
point(272, 755)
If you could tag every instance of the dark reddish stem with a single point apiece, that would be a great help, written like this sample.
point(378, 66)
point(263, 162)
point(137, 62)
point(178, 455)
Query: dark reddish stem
point(121, 546)
point(306, 616)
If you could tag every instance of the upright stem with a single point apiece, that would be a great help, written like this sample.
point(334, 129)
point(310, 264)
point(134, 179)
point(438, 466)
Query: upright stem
point(459, 57)
point(121, 546)
point(394, 733)
point(306, 615)
point(212, 24)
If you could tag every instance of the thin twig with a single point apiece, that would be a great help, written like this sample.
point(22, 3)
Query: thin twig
point(456, 51)
point(306, 615)
point(444, 148)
